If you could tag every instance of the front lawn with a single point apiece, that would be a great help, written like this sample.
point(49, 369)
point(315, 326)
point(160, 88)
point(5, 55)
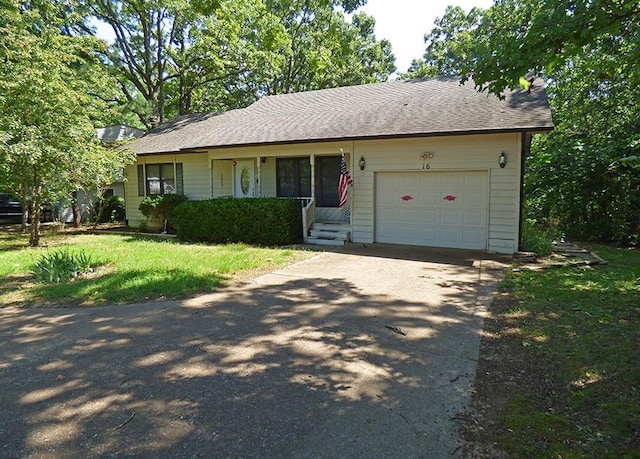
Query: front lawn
point(559, 368)
point(128, 269)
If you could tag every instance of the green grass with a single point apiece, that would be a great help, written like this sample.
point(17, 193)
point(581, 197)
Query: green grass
point(582, 327)
point(127, 269)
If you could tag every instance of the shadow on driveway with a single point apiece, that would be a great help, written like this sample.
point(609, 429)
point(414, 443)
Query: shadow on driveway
point(351, 353)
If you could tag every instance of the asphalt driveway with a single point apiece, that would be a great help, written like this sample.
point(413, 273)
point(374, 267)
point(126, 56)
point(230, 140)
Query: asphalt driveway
point(361, 352)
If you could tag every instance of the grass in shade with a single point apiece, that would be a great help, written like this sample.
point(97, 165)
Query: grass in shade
point(128, 269)
point(559, 369)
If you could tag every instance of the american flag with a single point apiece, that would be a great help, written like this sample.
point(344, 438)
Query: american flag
point(343, 184)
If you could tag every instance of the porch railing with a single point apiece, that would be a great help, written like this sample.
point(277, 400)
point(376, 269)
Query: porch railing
point(308, 214)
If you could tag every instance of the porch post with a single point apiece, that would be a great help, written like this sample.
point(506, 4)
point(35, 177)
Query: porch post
point(259, 179)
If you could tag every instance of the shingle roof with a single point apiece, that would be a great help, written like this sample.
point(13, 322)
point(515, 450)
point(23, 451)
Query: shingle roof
point(437, 106)
point(118, 132)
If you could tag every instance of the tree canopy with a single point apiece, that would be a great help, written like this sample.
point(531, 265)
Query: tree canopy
point(449, 44)
point(174, 57)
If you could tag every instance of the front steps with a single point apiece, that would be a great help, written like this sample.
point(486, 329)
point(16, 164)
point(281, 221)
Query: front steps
point(328, 233)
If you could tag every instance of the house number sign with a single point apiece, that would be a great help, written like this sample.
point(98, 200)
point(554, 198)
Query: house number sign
point(426, 166)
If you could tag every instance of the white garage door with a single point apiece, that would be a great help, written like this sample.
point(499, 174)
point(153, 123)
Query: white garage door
point(436, 209)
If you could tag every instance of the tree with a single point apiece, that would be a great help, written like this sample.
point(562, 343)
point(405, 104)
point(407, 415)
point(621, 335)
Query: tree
point(525, 36)
point(324, 50)
point(144, 32)
point(449, 44)
point(174, 57)
point(581, 175)
point(49, 147)
point(228, 57)
point(168, 54)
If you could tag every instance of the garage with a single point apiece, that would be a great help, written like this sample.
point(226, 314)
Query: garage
point(435, 209)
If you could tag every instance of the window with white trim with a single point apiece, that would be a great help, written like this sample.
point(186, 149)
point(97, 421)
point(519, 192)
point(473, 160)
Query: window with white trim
point(161, 178)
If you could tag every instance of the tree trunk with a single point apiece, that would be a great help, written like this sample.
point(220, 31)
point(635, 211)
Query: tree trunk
point(25, 209)
point(75, 207)
point(36, 206)
point(34, 229)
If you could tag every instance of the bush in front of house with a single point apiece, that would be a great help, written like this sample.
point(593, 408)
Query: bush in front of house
point(112, 210)
point(535, 238)
point(260, 221)
point(160, 207)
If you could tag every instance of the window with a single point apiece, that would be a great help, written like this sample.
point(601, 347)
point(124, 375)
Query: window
point(327, 178)
point(155, 179)
point(293, 176)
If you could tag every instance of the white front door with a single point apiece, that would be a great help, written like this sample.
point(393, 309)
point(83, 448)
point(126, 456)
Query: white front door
point(244, 180)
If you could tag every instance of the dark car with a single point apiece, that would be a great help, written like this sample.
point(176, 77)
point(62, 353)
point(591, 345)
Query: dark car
point(10, 208)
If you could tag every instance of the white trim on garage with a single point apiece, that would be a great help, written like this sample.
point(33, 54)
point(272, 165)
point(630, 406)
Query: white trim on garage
point(433, 208)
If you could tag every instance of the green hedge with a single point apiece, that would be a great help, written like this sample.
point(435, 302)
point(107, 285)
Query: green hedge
point(260, 221)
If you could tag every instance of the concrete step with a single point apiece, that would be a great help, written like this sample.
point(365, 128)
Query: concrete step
point(331, 226)
point(323, 241)
point(324, 233)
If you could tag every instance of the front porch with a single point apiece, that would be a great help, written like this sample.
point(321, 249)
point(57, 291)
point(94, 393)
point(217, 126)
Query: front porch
point(312, 178)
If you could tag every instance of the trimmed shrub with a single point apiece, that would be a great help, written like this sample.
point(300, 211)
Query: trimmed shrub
point(160, 207)
point(260, 221)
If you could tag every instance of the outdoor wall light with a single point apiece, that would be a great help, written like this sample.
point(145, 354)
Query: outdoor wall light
point(426, 155)
point(263, 159)
point(502, 160)
point(362, 163)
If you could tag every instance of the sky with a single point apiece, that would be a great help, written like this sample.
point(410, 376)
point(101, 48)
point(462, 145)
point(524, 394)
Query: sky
point(405, 22)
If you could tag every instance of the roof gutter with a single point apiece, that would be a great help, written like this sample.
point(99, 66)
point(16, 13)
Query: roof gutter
point(203, 149)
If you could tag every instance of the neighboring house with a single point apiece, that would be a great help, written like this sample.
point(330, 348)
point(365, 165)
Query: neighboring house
point(108, 135)
point(434, 163)
point(112, 135)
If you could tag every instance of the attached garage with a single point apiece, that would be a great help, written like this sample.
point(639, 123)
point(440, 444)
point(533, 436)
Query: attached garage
point(436, 209)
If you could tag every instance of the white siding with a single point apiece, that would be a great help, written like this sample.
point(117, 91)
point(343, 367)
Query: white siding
point(222, 178)
point(196, 176)
point(268, 177)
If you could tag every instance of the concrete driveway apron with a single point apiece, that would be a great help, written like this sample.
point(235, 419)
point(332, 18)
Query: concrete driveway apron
point(360, 352)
